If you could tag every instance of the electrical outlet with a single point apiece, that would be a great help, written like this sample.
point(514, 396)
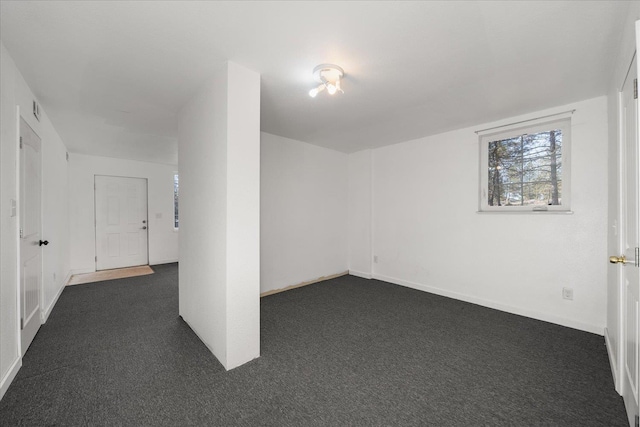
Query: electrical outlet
point(375, 259)
point(567, 293)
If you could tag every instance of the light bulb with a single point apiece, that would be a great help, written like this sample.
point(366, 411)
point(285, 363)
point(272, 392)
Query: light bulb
point(316, 90)
point(329, 77)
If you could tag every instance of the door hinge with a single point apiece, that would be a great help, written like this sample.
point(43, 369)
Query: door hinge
point(637, 257)
point(21, 234)
point(21, 143)
point(635, 88)
point(637, 420)
point(21, 323)
point(96, 258)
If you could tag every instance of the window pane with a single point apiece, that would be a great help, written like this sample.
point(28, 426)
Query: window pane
point(526, 170)
point(175, 200)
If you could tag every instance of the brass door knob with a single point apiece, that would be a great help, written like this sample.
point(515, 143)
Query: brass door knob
point(617, 259)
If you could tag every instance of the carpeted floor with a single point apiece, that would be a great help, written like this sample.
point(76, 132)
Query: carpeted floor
point(347, 351)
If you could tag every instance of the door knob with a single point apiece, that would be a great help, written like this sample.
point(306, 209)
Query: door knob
point(43, 242)
point(618, 259)
point(144, 228)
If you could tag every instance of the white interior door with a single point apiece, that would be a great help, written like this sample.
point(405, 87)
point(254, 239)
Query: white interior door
point(121, 222)
point(30, 239)
point(630, 242)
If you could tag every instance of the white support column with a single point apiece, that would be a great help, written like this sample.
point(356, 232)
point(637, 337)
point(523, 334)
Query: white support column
point(219, 164)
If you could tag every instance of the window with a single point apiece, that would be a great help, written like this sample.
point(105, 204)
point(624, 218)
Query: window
point(175, 200)
point(526, 168)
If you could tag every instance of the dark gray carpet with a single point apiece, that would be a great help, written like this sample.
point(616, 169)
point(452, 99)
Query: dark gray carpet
point(347, 351)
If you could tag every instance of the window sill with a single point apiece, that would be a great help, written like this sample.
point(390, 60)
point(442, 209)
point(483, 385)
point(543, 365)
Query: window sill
point(523, 212)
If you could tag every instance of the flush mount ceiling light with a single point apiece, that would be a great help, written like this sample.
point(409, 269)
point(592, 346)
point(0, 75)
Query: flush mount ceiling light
point(328, 75)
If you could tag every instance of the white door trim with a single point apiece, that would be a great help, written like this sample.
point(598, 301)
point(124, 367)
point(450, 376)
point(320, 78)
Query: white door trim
point(29, 228)
point(17, 240)
point(619, 372)
point(624, 385)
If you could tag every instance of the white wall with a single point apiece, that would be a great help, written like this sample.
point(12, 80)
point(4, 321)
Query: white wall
point(360, 214)
point(627, 48)
point(219, 159)
point(203, 214)
point(163, 238)
point(303, 212)
point(9, 332)
point(55, 217)
point(243, 215)
point(428, 235)
point(14, 91)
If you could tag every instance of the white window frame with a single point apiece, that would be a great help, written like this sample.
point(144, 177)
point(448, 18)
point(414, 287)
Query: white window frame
point(535, 126)
point(175, 175)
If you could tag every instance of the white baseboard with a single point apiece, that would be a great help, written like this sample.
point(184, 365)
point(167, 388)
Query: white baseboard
point(163, 261)
point(299, 285)
point(81, 271)
point(595, 329)
point(47, 312)
point(67, 278)
point(360, 274)
point(10, 375)
point(612, 360)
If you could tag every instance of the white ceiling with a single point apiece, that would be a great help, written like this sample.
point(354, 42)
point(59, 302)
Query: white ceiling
point(113, 75)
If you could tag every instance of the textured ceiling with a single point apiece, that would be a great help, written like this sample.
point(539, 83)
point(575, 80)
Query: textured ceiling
point(113, 75)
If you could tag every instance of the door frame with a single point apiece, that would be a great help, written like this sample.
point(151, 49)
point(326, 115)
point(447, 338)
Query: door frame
point(18, 241)
point(619, 378)
point(95, 215)
point(620, 146)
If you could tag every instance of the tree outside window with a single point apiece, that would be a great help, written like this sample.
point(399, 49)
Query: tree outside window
point(526, 169)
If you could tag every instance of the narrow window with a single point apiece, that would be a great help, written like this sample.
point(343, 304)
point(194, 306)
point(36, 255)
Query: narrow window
point(526, 168)
point(175, 201)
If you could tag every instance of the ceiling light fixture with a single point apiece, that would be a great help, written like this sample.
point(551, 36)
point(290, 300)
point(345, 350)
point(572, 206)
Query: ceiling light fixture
point(328, 75)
